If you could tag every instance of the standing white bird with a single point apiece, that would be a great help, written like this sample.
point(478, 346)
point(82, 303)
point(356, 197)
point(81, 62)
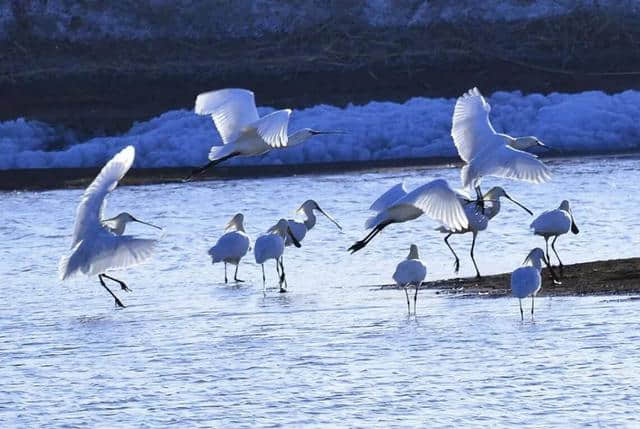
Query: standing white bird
point(435, 199)
point(299, 228)
point(243, 132)
point(232, 246)
point(554, 223)
point(271, 246)
point(488, 153)
point(478, 219)
point(527, 280)
point(411, 271)
point(94, 247)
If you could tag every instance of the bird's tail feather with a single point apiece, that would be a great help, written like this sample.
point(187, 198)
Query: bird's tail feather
point(465, 176)
point(214, 256)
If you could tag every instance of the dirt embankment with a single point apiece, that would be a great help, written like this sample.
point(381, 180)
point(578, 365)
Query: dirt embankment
point(105, 85)
point(612, 277)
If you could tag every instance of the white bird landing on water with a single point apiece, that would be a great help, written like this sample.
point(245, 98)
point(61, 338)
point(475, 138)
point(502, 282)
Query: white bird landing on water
point(411, 271)
point(299, 229)
point(488, 153)
point(243, 132)
point(554, 223)
point(232, 246)
point(271, 246)
point(526, 281)
point(94, 247)
point(478, 219)
point(435, 199)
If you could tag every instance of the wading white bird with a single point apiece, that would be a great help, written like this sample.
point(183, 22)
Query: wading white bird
point(271, 246)
point(299, 228)
point(411, 271)
point(435, 199)
point(243, 132)
point(488, 153)
point(527, 280)
point(554, 223)
point(94, 247)
point(478, 219)
point(232, 246)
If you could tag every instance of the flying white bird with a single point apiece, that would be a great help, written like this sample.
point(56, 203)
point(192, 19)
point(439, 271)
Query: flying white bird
point(488, 153)
point(554, 223)
point(299, 228)
point(478, 219)
point(271, 246)
point(435, 199)
point(94, 247)
point(527, 280)
point(243, 132)
point(411, 271)
point(232, 246)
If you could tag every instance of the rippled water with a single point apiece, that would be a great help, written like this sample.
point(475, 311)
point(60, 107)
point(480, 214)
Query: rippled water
point(190, 350)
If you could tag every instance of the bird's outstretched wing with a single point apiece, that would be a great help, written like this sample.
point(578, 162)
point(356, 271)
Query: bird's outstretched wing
point(231, 110)
point(388, 198)
point(514, 164)
point(273, 128)
point(471, 130)
point(438, 201)
point(89, 210)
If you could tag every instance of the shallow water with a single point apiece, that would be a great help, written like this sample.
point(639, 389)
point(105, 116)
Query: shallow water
point(191, 350)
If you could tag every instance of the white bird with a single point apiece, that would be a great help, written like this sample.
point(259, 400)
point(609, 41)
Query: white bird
point(94, 247)
point(232, 246)
point(435, 199)
point(488, 153)
point(271, 246)
point(527, 280)
point(554, 223)
point(411, 271)
point(243, 132)
point(478, 219)
point(299, 228)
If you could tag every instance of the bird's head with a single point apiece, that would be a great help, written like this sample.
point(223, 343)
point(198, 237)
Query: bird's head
point(564, 205)
point(536, 257)
point(282, 229)
point(496, 192)
point(413, 252)
point(117, 223)
point(236, 223)
point(527, 142)
point(308, 206)
point(306, 133)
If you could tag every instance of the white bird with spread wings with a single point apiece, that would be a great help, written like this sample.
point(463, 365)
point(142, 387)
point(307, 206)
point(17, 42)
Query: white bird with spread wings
point(488, 153)
point(95, 247)
point(243, 132)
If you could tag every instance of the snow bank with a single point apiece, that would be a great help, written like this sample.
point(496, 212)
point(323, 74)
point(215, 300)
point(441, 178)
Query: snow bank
point(571, 123)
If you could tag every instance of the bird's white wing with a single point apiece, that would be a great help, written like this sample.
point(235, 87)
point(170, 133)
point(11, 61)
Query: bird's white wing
point(438, 201)
point(231, 110)
point(120, 252)
point(388, 198)
point(89, 210)
point(471, 130)
point(511, 163)
point(273, 128)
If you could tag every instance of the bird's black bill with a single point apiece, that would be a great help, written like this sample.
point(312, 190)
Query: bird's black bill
point(330, 218)
point(519, 205)
point(574, 227)
point(315, 133)
point(293, 239)
point(147, 223)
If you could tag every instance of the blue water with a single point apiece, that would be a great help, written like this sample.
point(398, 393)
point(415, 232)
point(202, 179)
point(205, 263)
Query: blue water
point(194, 352)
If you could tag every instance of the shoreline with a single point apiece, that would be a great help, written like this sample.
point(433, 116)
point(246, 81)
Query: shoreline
point(608, 277)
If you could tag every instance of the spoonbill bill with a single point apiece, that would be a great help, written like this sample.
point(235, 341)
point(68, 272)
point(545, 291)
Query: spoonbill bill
point(527, 280)
point(488, 153)
point(231, 246)
point(300, 228)
point(435, 199)
point(478, 219)
point(554, 223)
point(271, 246)
point(243, 132)
point(118, 223)
point(411, 271)
point(94, 247)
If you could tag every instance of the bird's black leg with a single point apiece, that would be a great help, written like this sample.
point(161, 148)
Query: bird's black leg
point(546, 242)
point(122, 284)
point(225, 272)
point(532, 301)
point(235, 276)
point(456, 264)
point(415, 299)
point(521, 312)
point(553, 246)
point(200, 170)
point(479, 199)
point(283, 278)
point(408, 304)
point(264, 279)
point(118, 303)
point(362, 243)
point(473, 245)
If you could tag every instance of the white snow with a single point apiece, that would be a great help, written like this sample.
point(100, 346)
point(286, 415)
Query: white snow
point(571, 123)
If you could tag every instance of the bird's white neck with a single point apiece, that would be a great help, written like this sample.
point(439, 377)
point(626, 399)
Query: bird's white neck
point(413, 253)
point(115, 225)
point(310, 218)
point(536, 262)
